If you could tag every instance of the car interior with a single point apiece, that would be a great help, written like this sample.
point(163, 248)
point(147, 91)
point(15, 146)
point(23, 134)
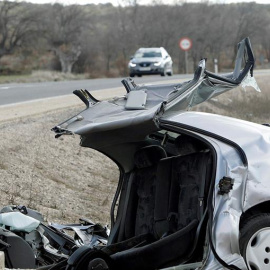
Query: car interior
point(166, 179)
point(162, 207)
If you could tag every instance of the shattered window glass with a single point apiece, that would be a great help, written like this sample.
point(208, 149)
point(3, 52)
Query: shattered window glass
point(250, 82)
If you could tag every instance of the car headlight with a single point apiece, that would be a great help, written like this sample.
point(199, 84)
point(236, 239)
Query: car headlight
point(157, 64)
point(132, 64)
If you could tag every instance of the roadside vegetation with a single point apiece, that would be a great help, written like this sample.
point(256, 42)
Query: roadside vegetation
point(246, 104)
point(98, 40)
point(42, 76)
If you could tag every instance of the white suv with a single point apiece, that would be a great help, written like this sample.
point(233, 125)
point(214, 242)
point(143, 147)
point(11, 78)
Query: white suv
point(150, 61)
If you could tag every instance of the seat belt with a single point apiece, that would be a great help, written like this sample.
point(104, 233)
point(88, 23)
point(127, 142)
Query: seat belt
point(202, 185)
point(119, 224)
point(124, 213)
point(162, 198)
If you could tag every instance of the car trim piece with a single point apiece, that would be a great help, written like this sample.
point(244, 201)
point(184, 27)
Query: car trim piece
point(189, 87)
point(240, 151)
point(185, 266)
point(115, 230)
point(210, 220)
point(116, 196)
point(129, 84)
point(85, 97)
point(118, 189)
point(244, 48)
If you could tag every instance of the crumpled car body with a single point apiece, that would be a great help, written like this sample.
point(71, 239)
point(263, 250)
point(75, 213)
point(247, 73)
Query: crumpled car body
point(194, 189)
point(29, 243)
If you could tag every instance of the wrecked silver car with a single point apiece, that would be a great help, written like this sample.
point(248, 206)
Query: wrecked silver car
point(194, 189)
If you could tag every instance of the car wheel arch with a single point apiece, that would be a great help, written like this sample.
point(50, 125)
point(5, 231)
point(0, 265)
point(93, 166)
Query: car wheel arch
point(257, 209)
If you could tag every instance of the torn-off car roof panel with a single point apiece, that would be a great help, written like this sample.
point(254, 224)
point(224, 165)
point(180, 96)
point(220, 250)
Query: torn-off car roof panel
point(111, 121)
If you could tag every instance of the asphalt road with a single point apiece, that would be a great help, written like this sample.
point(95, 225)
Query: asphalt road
point(23, 92)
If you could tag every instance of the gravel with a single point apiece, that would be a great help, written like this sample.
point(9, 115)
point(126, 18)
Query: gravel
point(57, 177)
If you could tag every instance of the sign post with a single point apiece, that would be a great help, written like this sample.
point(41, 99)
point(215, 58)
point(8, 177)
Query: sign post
point(216, 65)
point(185, 44)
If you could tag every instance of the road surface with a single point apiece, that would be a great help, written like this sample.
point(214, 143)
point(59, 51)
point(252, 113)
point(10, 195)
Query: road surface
point(23, 92)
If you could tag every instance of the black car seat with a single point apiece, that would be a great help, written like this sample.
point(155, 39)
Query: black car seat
point(179, 196)
point(138, 215)
point(18, 253)
point(185, 145)
point(134, 227)
point(164, 209)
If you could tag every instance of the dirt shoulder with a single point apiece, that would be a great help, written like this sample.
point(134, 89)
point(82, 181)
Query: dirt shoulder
point(57, 177)
point(54, 176)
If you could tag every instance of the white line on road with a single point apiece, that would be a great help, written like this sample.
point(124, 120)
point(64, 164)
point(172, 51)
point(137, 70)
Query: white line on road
point(34, 100)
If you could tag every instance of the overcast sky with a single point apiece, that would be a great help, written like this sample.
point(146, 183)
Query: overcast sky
point(116, 2)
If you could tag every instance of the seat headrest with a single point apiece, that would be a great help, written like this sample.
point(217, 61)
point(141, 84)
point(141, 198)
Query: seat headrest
point(185, 145)
point(149, 156)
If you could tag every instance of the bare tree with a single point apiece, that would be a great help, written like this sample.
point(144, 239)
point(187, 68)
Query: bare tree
point(17, 25)
point(99, 39)
point(248, 19)
point(63, 29)
point(266, 44)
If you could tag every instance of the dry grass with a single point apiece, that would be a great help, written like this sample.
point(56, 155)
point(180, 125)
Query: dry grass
point(246, 104)
point(57, 177)
point(42, 76)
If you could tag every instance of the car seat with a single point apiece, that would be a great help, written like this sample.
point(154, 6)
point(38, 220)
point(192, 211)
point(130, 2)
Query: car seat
point(164, 205)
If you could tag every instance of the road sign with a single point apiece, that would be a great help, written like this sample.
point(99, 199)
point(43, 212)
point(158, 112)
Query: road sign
point(185, 44)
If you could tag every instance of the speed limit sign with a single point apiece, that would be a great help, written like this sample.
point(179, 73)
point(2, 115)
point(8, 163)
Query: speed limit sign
point(185, 44)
